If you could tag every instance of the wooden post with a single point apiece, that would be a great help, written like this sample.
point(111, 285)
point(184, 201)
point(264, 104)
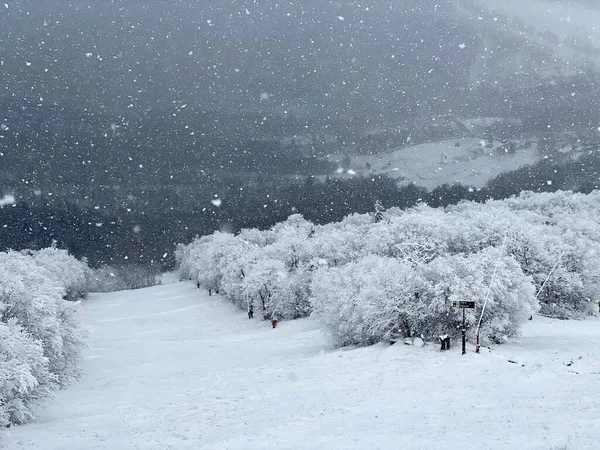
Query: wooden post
point(464, 305)
point(464, 334)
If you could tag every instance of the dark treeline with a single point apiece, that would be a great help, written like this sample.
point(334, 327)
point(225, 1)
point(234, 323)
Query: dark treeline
point(149, 237)
point(84, 151)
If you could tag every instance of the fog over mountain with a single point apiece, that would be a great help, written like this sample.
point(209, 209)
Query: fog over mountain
point(384, 58)
point(148, 106)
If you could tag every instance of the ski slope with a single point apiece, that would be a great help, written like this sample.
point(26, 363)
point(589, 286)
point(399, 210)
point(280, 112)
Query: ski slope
point(171, 368)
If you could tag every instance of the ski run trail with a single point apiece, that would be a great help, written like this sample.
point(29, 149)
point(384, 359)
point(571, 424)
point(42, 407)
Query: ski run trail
point(171, 368)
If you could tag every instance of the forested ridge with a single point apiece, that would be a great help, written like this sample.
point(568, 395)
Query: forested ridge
point(146, 231)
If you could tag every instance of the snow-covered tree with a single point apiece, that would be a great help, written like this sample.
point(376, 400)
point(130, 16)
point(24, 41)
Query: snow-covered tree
point(365, 301)
point(261, 287)
point(488, 277)
point(65, 270)
point(39, 329)
point(25, 381)
point(376, 297)
point(544, 243)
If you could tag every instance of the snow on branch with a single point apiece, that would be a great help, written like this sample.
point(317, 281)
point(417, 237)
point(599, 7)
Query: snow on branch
point(40, 334)
point(369, 280)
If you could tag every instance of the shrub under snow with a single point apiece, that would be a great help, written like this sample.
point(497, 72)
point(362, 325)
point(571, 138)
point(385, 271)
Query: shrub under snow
point(40, 334)
point(68, 272)
point(378, 297)
point(25, 380)
point(369, 279)
point(365, 301)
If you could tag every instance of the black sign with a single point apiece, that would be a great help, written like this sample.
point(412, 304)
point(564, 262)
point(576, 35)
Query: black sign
point(468, 305)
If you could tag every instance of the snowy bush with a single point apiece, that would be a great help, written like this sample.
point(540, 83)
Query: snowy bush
point(184, 261)
point(264, 272)
point(365, 301)
point(40, 331)
point(545, 247)
point(262, 286)
point(554, 237)
point(488, 277)
point(25, 380)
point(378, 297)
point(208, 256)
point(65, 270)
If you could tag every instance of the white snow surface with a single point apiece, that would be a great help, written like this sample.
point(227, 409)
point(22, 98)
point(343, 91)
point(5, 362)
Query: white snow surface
point(436, 163)
point(171, 368)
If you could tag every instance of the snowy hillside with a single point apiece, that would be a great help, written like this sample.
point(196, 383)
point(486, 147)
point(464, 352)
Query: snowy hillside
point(466, 160)
point(573, 18)
point(568, 30)
point(170, 367)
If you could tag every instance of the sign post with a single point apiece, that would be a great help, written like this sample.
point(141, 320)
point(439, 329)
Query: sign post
point(464, 305)
point(464, 334)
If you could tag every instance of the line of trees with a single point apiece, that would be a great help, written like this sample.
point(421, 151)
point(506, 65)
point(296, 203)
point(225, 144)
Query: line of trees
point(146, 232)
point(396, 272)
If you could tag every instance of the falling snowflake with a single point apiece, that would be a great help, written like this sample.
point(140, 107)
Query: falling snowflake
point(7, 200)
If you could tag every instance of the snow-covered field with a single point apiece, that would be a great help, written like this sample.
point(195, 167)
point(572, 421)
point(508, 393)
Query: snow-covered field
point(436, 163)
point(171, 368)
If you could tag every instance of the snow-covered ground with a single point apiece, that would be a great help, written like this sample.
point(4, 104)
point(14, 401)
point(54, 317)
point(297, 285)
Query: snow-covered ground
point(171, 368)
point(436, 163)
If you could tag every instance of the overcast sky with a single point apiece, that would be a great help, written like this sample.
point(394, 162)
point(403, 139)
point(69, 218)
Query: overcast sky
point(284, 55)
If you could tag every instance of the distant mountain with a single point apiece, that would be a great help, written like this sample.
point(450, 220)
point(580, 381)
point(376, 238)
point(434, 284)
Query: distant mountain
point(146, 93)
point(178, 117)
point(376, 60)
